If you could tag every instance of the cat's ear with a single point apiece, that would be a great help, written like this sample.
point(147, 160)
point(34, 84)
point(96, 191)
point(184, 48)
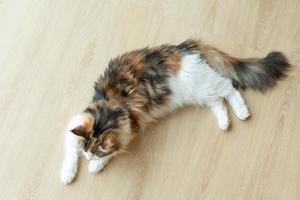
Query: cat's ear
point(83, 125)
point(80, 131)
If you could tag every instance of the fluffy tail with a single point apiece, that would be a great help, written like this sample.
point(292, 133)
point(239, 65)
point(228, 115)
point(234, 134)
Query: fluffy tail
point(255, 73)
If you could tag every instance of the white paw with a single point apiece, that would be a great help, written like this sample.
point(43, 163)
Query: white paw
point(243, 113)
point(88, 155)
point(224, 125)
point(95, 166)
point(67, 175)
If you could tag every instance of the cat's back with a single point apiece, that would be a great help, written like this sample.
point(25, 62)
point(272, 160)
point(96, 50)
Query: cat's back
point(159, 71)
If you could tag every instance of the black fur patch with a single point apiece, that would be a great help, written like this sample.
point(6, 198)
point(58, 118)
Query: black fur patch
point(106, 118)
point(99, 93)
point(261, 73)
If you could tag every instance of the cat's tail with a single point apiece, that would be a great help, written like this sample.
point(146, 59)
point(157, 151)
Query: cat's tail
point(255, 73)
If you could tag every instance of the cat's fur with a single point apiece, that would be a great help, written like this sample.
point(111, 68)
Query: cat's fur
point(140, 86)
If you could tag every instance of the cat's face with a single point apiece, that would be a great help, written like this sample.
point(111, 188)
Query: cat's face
point(105, 129)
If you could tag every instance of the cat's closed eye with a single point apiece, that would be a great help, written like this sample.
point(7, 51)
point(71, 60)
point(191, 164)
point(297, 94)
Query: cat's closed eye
point(85, 143)
point(102, 149)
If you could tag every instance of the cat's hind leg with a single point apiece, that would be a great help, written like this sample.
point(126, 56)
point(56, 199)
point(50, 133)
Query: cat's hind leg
point(219, 109)
point(237, 102)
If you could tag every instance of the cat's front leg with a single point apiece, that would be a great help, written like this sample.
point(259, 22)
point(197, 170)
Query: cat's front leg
point(69, 167)
point(68, 171)
point(96, 166)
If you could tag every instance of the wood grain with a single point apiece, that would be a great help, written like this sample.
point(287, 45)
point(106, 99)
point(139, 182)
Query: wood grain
point(51, 52)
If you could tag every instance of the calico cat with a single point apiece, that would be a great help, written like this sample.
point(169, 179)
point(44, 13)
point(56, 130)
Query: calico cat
point(140, 86)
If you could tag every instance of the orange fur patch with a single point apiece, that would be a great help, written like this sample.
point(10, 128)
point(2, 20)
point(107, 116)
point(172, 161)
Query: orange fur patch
point(173, 62)
point(110, 142)
point(88, 122)
point(87, 127)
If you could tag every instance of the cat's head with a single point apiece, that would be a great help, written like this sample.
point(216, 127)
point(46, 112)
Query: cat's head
point(104, 129)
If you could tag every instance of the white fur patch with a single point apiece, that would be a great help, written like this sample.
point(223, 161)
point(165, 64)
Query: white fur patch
point(220, 111)
point(238, 104)
point(197, 83)
point(97, 165)
point(77, 120)
point(72, 148)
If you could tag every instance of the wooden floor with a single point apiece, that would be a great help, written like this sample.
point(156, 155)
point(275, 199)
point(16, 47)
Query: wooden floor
point(51, 52)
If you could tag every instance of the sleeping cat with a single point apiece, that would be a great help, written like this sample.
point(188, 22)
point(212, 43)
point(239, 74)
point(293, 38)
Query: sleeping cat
point(140, 86)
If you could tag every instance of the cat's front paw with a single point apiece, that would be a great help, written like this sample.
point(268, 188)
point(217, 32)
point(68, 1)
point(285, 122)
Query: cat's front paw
point(67, 175)
point(95, 166)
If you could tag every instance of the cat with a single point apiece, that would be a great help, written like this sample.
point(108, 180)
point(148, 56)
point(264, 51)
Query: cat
point(143, 85)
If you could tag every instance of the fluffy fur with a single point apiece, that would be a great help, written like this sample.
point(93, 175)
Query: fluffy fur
point(140, 86)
